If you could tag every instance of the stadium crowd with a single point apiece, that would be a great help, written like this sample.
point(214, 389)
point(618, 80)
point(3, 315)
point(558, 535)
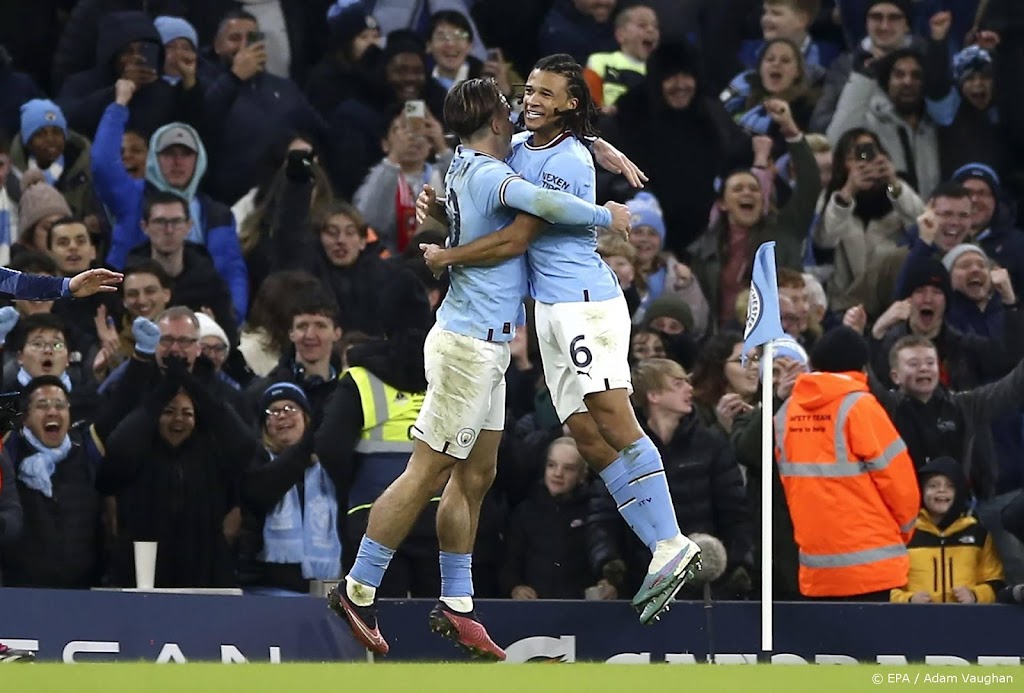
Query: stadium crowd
point(252, 167)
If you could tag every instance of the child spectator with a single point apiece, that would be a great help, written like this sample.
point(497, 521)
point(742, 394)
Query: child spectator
point(610, 75)
point(952, 557)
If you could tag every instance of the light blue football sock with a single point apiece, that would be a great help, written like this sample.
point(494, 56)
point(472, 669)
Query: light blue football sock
point(648, 485)
point(456, 574)
point(372, 561)
point(616, 477)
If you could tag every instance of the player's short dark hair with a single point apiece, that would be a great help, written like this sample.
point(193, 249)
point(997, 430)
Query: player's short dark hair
point(159, 197)
point(470, 105)
point(582, 120)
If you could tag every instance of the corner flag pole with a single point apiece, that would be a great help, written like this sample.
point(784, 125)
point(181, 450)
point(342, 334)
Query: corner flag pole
point(767, 461)
point(764, 323)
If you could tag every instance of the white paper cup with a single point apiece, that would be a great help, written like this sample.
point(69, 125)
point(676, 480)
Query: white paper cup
point(145, 564)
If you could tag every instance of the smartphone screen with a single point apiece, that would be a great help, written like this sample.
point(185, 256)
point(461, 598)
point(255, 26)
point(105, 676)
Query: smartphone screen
point(254, 37)
point(416, 114)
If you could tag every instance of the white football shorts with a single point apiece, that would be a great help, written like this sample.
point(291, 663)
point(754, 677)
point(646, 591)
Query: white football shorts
point(465, 391)
point(584, 346)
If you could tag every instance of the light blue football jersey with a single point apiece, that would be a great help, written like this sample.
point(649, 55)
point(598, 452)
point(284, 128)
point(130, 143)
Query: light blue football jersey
point(563, 261)
point(484, 302)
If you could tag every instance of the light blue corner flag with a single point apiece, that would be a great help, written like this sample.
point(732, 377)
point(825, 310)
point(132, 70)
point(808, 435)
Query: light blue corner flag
point(764, 323)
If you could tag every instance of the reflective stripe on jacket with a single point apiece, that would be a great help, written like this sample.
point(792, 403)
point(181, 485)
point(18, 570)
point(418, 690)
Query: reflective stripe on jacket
point(386, 443)
point(850, 485)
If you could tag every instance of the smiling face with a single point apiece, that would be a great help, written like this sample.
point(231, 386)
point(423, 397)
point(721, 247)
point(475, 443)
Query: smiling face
point(46, 145)
point(285, 424)
point(801, 305)
point(970, 276)
point(72, 248)
point(743, 380)
point(407, 75)
point(647, 243)
point(678, 90)
point(144, 296)
point(938, 495)
point(779, 68)
point(341, 240)
point(741, 200)
point(564, 469)
point(45, 353)
point(917, 371)
point(546, 93)
point(983, 203)
point(977, 90)
point(622, 267)
point(954, 214)
point(314, 337)
point(177, 420)
point(48, 415)
point(646, 345)
point(449, 45)
point(887, 27)
point(927, 311)
point(638, 34)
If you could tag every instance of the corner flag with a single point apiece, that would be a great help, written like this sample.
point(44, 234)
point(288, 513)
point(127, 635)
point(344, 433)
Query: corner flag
point(764, 323)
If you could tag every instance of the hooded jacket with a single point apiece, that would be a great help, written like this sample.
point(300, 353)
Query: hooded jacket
point(124, 198)
point(83, 96)
point(850, 485)
point(957, 551)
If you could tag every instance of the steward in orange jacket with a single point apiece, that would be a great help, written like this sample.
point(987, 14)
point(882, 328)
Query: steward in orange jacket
point(850, 485)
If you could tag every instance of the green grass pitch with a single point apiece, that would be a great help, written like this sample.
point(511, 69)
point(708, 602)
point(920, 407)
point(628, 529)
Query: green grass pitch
point(491, 678)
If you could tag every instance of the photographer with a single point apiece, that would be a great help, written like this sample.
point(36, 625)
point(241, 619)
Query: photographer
point(869, 207)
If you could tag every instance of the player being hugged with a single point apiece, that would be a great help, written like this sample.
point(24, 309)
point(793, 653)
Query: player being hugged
point(465, 355)
point(583, 324)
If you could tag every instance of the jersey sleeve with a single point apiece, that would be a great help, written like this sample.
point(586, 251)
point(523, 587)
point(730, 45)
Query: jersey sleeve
point(486, 184)
point(553, 206)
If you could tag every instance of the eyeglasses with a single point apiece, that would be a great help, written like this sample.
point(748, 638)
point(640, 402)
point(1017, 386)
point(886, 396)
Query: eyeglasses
point(184, 342)
point(286, 410)
point(176, 223)
point(891, 17)
point(752, 360)
point(48, 404)
point(38, 345)
point(451, 36)
point(214, 348)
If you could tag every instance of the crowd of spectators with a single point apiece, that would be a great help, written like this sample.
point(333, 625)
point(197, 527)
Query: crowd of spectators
point(252, 168)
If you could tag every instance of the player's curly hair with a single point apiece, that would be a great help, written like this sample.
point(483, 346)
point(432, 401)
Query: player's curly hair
point(582, 120)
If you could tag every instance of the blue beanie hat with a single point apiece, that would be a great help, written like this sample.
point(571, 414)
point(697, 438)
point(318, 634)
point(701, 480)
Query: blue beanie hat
point(171, 28)
point(645, 210)
point(282, 390)
point(787, 347)
point(38, 114)
point(981, 172)
point(970, 61)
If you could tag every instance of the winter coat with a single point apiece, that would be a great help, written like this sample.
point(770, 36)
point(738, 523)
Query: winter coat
point(59, 545)
point(75, 183)
point(546, 546)
point(11, 518)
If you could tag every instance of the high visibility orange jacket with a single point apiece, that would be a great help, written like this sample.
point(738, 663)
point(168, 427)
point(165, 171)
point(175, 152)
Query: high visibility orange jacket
point(850, 485)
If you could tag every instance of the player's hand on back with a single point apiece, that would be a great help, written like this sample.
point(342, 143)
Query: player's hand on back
point(620, 217)
point(611, 159)
point(424, 203)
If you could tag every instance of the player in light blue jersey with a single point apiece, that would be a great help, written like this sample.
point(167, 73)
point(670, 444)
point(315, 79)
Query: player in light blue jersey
point(466, 354)
point(583, 325)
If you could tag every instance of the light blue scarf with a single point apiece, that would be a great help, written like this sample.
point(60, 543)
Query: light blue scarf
point(25, 378)
point(306, 535)
point(35, 470)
